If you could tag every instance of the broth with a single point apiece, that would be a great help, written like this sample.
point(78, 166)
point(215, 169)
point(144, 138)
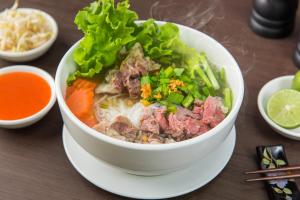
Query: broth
point(22, 94)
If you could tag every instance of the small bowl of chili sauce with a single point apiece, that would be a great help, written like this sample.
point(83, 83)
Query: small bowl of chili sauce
point(26, 95)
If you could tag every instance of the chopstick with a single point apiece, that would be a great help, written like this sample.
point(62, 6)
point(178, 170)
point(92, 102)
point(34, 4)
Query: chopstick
point(273, 178)
point(282, 169)
point(290, 168)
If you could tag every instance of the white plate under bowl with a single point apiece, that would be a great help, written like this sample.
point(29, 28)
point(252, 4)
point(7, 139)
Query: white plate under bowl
point(283, 82)
point(174, 184)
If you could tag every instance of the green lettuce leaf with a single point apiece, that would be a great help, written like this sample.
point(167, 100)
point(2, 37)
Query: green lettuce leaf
point(163, 45)
point(107, 29)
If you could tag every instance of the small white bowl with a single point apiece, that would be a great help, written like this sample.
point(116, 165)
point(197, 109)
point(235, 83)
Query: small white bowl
point(36, 52)
point(284, 82)
point(20, 123)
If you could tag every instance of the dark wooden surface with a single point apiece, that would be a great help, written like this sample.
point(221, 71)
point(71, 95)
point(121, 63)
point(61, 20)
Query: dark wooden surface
point(33, 164)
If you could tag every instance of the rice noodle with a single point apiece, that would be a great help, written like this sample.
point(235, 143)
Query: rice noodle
point(118, 105)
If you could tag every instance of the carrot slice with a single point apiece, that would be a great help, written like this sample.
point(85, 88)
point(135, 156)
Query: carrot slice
point(90, 120)
point(80, 102)
point(79, 99)
point(81, 84)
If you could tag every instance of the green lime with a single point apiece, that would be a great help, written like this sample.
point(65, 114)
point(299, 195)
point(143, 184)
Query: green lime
point(296, 82)
point(284, 108)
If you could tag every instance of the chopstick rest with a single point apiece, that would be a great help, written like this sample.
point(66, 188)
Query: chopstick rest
point(271, 157)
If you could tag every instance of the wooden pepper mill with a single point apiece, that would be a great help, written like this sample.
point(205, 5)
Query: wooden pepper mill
point(273, 18)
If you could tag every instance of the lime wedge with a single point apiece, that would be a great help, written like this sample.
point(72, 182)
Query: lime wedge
point(284, 108)
point(296, 82)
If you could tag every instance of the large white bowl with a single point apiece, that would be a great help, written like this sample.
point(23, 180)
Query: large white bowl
point(148, 159)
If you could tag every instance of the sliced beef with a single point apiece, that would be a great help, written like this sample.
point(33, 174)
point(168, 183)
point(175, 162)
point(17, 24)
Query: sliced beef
point(156, 126)
point(113, 133)
point(133, 67)
point(195, 127)
point(176, 126)
point(124, 127)
point(198, 108)
point(169, 140)
point(213, 113)
point(192, 126)
point(113, 84)
point(137, 59)
point(154, 120)
point(149, 123)
point(186, 124)
point(159, 114)
point(155, 139)
point(134, 88)
point(114, 77)
point(102, 126)
point(183, 123)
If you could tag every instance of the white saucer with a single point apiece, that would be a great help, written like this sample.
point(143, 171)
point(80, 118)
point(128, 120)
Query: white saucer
point(156, 187)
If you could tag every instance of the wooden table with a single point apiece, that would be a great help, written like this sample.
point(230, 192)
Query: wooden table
point(33, 164)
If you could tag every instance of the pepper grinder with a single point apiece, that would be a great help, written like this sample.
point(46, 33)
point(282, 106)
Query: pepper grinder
point(273, 18)
point(297, 55)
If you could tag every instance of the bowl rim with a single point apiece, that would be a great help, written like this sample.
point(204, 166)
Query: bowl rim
point(155, 147)
point(45, 76)
point(263, 112)
point(54, 27)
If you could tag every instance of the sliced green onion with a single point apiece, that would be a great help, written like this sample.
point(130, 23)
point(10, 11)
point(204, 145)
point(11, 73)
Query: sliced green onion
point(203, 77)
point(168, 72)
point(184, 89)
point(171, 108)
point(206, 91)
point(227, 98)
point(153, 78)
point(188, 100)
point(178, 71)
point(164, 80)
point(197, 95)
point(164, 90)
point(145, 80)
point(190, 87)
point(162, 102)
point(223, 75)
point(176, 98)
point(104, 105)
point(185, 78)
point(209, 72)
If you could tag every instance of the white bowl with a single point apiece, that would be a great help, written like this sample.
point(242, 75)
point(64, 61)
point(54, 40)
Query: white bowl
point(145, 159)
point(20, 123)
point(36, 52)
point(264, 95)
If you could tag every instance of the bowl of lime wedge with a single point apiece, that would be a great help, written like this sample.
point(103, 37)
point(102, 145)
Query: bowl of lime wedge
point(279, 104)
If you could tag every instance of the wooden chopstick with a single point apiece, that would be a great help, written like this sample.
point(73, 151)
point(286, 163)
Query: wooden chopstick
point(290, 168)
point(274, 178)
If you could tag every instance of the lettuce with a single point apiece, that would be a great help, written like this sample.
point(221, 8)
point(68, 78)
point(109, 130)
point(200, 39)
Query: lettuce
point(163, 45)
point(107, 29)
